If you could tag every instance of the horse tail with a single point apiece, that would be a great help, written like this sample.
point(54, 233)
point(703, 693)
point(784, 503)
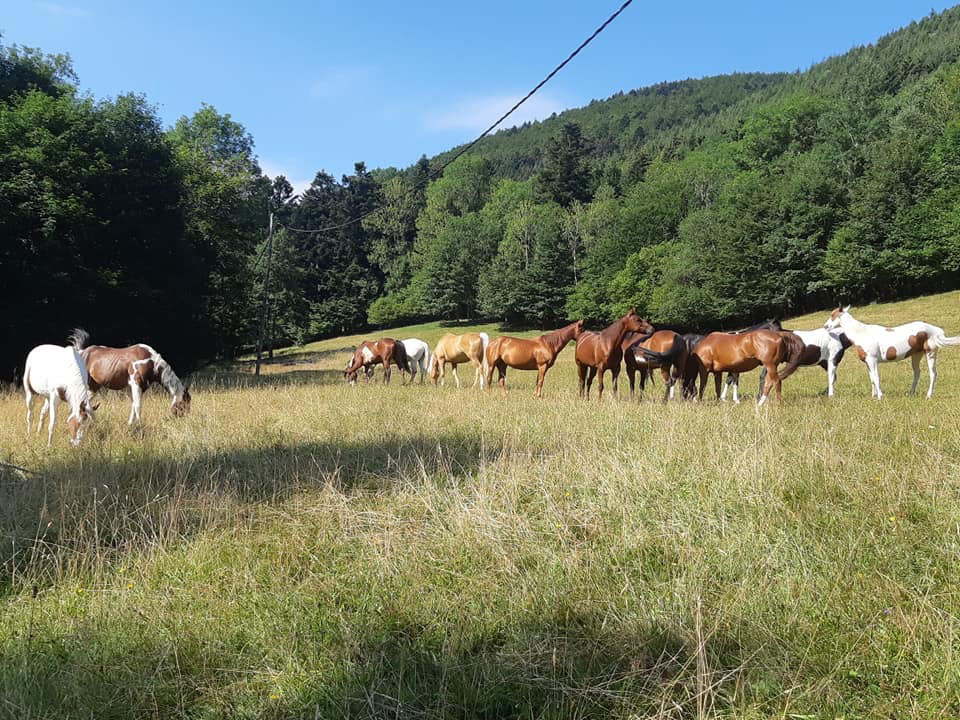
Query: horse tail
point(946, 341)
point(424, 360)
point(660, 357)
point(792, 353)
point(484, 363)
point(79, 338)
point(400, 356)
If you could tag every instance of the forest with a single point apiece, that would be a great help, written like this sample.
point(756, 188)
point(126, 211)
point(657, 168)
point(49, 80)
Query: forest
point(704, 203)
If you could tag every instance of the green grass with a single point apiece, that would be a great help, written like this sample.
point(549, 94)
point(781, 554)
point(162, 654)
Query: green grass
point(298, 548)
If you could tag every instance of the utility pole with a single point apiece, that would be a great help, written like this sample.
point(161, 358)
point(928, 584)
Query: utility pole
point(266, 295)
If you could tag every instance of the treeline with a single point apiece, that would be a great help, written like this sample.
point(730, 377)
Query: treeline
point(703, 203)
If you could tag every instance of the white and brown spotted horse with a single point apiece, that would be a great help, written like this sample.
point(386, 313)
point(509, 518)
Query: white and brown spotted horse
point(135, 367)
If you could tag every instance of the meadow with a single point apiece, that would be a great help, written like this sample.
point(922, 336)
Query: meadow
point(299, 548)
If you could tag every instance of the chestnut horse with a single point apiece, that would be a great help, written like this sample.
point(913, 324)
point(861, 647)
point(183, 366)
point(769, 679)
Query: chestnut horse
point(457, 349)
point(368, 354)
point(135, 367)
point(597, 352)
point(662, 349)
point(537, 354)
point(721, 352)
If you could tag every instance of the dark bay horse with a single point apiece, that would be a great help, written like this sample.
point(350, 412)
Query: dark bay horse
point(662, 349)
point(135, 367)
point(721, 352)
point(597, 352)
point(537, 354)
point(383, 351)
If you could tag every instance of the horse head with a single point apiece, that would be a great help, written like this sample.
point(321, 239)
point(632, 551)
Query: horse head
point(634, 323)
point(181, 405)
point(577, 329)
point(834, 321)
point(77, 422)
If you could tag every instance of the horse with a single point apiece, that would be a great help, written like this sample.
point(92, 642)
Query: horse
point(597, 352)
point(537, 354)
point(456, 349)
point(58, 373)
point(876, 344)
point(136, 367)
point(721, 352)
point(734, 378)
point(368, 354)
point(823, 348)
point(662, 349)
point(417, 352)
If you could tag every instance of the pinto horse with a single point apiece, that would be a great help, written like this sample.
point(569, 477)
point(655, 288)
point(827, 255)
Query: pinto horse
point(662, 349)
point(537, 354)
point(136, 367)
point(58, 373)
point(721, 352)
point(876, 344)
point(457, 349)
point(368, 354)
point(597, 352)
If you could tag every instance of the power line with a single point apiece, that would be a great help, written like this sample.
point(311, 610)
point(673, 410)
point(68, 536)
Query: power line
point(465, 148)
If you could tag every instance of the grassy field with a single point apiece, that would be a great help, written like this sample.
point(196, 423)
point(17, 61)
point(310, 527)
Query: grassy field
point(298, 548)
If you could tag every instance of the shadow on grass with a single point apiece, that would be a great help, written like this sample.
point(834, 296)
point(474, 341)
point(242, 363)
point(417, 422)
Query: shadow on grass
point(547, 663)
point(66, 519)
point(223, 380)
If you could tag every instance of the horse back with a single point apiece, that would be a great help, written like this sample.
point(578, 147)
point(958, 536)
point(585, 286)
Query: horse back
point(111, 367)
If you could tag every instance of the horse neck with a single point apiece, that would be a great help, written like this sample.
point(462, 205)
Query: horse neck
point(852, 327)
point(168, 378)
point(615, 332)
point(558, 339)
point(76, 385)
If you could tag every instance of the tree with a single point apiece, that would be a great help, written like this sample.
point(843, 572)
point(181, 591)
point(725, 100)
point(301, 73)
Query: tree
point(564, 177)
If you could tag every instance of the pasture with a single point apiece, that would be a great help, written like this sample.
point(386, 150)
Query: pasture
point(299, 548)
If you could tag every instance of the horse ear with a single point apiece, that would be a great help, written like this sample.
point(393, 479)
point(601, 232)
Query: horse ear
point(847, 308)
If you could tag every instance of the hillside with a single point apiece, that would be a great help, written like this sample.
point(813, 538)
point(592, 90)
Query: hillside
point(299, 548)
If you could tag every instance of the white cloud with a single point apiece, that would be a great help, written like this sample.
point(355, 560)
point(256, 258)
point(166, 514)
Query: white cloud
point(62, 11)
point(478, 113)
point(272, 170)
point(339, 81)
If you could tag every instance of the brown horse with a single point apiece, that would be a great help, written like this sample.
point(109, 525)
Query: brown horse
point(537, 354)
point(597, 352)
point(662, 349)
point(135, 367)
point(721, 352)
point(456, 349)
point(368, 354)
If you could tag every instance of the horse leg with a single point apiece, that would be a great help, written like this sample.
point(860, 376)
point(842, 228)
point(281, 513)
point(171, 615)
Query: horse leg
point(703, 382)
point(581, 378)
point(736, 389)
point(600, 373)
point(501, 376)
point(763, 379)
point(591, 374)
point(831, 375)
point(717, 378)
point(726, 386)
point(872, 363)
point(667, 385)
point(52, 400)
point(541, 373)
point(631, 377)
point(456, 378)
point(915, 359)
point(29, 400)
point(43, 413)
point(932, 367)
point(135, 401)
point(615, 373)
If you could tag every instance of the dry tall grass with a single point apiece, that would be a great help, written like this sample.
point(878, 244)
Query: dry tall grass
point(297, 548)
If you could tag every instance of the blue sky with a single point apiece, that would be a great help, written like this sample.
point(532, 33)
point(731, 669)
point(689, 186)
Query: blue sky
point(321, 85)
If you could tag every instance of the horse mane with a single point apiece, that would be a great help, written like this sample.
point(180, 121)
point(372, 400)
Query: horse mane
point(79, 338)
point(164, 373)
point(771, 324)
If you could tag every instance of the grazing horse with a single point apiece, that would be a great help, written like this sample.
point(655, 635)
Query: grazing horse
point(597, 352)
point(721, 352)
point(456, 349)
point(537, 354)
point(136, 367)
point(58, 373)
point(368, 354)
point(418, 353)
point(823, 348)
point(876, 344)
point(662, 349)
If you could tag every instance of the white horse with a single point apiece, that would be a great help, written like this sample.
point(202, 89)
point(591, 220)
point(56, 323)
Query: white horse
point(418, 355)
point(58, 373)
point(876, 344)
point(823, 348)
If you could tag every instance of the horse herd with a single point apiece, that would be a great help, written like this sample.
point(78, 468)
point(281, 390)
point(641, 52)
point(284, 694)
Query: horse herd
point(685, 359)
point(74, 373)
